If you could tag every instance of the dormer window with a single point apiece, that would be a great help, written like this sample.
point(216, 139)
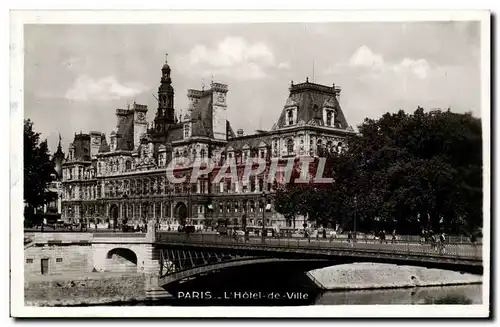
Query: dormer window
point(290, 117)
point(329, 118)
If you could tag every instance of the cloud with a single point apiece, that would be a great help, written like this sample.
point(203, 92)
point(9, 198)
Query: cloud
point(107, 88)
point(419, 68)
point(284, 65)
point(366, 58)
point(234, 57)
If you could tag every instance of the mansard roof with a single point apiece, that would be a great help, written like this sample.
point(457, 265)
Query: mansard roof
point(252, 141)
point(310, 99)
point(126, 133)
point(202, 116)
point(104, 147)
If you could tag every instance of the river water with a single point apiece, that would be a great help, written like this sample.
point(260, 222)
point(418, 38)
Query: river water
point(283, 284)
point(463, 294)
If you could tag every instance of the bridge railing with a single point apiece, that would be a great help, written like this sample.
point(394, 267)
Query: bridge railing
point(449, 250)
point(119, 234)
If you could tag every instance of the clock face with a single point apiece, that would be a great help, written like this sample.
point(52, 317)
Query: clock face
point(141, 116)
point(95, 141)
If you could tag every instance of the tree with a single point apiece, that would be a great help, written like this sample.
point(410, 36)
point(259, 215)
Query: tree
point(408, 172)
point(416, 171)
point(38, 169)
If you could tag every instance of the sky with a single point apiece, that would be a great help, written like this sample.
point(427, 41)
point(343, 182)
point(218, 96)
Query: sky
point(76, 76)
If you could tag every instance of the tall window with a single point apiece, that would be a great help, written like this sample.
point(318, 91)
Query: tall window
point(262, 153)
point(328, 118)
point(261, 184)
point(128, 165)
point(290, 146)
point(252, 184)
point(186, 131)
point(319, 144)
point(202, 153)
point(290, 117)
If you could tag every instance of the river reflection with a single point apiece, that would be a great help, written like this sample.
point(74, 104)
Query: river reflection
point(464, 294)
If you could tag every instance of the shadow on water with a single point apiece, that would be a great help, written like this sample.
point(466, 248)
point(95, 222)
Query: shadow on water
point(462, 294)
point(287, 285)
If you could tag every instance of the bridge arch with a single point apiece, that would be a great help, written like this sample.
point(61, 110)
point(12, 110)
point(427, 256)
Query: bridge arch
point(121, 260)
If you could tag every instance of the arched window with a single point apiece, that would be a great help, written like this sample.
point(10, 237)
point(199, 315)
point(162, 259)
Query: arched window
point(328, 118)
point(290, 146)
point(339, 147)
point(186, 131)
point(194, 153)
point(177, 154)
point(128, 165)
point(202, 153)
point(290, 117)
point(252, 206)
point(262, 154)
point(235, 206)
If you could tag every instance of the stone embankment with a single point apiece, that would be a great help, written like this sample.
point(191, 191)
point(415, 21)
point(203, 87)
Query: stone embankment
point(95, 288)
point(376, 276)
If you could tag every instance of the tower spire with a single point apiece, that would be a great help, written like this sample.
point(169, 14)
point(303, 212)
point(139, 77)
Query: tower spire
point(166, 57)
point(59, 145)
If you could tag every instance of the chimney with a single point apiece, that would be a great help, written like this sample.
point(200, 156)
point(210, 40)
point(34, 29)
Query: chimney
point(239, 132)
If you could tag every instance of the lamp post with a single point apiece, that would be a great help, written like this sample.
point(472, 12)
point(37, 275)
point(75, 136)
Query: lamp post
point(264, 197)
point(355, 212)
point(124, 221)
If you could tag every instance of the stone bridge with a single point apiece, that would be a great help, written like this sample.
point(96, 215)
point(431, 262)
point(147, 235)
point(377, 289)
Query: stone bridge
point(170, 257)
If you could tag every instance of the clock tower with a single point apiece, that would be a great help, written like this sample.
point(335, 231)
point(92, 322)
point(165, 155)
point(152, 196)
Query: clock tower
point(165, 113)
point(140, 122)
point(219, 113)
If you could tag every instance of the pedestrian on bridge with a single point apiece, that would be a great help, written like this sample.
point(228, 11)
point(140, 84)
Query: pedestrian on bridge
point(442, 241)
point(333, 234)
point(434, 242)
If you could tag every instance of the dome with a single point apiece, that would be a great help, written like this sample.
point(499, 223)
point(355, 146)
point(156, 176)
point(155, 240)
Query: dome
point(165, 67)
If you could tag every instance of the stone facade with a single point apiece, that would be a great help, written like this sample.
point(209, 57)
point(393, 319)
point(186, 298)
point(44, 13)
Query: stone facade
point(125, 181)
point(58, 259)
